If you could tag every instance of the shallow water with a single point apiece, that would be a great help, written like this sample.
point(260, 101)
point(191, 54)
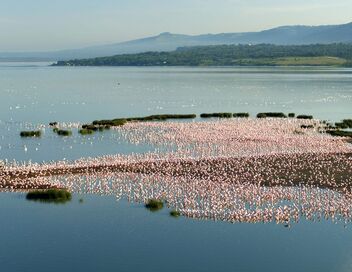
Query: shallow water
point(32, 94)
point(43, 94)
point(102, 234)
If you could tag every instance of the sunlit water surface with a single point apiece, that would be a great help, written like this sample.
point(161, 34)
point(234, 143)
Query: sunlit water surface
point(102, 234)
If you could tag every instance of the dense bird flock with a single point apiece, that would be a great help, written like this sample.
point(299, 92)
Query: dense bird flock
point(236, 170)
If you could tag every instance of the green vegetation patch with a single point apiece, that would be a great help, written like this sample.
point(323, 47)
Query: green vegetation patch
point(241, 115)
point(335, 54)
point(63, 132)
point(175, 213)
point(340, 133)
point(307, 126)
point(271, 115)
point(154, 205)
point(341, 125)
point(304, 116)
point(50, 195)
point(291, 115)
point(217, 115)
point(91, 127)
point(310, 61)
point(110, 123)
point(162, 117)
point(158, 117)
point(85, 131)
point(347, 122)
point(36, 133)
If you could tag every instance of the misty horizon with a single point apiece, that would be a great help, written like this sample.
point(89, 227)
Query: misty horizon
point(43, 26)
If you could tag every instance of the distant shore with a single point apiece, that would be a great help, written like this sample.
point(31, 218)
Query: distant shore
point(334, 55)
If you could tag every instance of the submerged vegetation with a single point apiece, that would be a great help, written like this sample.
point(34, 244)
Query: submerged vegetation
point(154, 205)
point(231, 55)
point(35, 133)
point(50, 195)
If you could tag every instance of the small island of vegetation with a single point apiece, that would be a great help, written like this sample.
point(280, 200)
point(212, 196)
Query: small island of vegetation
point(175, 213)
point(63, 132)
point(154, 205)
point(35, 133)
point(271, 115)
point(50, 195)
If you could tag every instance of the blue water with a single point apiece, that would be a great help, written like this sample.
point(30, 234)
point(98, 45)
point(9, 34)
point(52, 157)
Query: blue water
point(43, 94)
point(37, 94)
point(103, 234)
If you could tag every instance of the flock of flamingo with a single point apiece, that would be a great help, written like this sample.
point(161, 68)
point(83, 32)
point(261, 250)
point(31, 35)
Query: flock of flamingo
point(235, 170)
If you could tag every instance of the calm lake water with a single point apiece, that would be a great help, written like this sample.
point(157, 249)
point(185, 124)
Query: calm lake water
point(102, 234)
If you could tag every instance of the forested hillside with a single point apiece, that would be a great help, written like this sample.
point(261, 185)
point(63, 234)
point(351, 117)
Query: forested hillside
point(229, 55)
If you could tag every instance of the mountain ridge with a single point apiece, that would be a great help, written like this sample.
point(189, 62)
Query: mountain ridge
point(166, 41)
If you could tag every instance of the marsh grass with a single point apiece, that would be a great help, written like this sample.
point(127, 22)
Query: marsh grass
point(85, 131)
point(62, 132)
point(36, 133)
point(240, 115)
point(154, 205)
point(307, 126)
point(50, 196)
point(217, 115)
point(271, 115)
point(175, 213)
point(304, 116)
point(340, 133)
point(159, 117)
point(348, 122)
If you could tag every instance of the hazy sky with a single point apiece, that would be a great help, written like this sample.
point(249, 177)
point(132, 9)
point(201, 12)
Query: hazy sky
point(60, 24)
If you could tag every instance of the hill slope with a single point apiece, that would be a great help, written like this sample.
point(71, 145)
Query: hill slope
point(228, 55)
point(285, 35)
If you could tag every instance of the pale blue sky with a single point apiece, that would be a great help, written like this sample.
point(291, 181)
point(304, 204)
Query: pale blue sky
point(60, 24)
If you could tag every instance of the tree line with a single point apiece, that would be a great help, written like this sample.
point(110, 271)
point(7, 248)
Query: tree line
point(219, 55)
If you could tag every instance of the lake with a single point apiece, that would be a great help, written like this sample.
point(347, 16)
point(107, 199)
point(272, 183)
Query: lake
point(103, 234)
